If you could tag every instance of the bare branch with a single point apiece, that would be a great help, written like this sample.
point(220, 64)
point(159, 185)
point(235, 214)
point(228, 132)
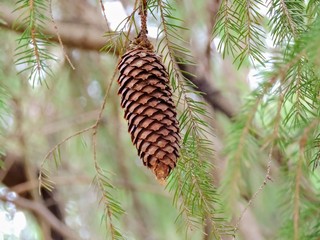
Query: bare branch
point(41, 211)
point(212, 95)
point(73, 34)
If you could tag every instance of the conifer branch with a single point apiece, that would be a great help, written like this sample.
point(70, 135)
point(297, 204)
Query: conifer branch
point(286, 20)
point(292, 84)
point(44, 180)
point(251, 31)
point(112, 207)
point(240, 140)
point(274, 137)
point(286, 13)
point(199, 197)
point(296, 209)
point(32, 54)
point(239, 27)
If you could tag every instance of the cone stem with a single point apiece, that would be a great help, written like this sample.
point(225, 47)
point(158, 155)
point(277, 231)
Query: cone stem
point(143, 16)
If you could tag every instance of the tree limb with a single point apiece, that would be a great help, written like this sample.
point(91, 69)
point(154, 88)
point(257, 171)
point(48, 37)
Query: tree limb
point(73, 34)
point(40, 210)
point(213, 96)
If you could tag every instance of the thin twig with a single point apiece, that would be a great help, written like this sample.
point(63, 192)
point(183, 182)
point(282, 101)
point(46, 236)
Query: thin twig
point(94, 146)
point(59, 125)
point(103, 105)
point(32, 184)
point(58, 36)
point(267, 176)
point(55, 148)
point(254, 196)
point(104, 14)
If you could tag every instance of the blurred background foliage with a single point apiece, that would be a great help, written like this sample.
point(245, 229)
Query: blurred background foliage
point(262, 141)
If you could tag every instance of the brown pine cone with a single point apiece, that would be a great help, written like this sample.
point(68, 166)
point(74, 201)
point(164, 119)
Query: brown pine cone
point(147, 101)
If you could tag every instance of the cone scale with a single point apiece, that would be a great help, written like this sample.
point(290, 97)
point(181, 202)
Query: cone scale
point(146, 98)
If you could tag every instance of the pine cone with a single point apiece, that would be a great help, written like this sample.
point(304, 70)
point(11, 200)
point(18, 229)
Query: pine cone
point(147, 101)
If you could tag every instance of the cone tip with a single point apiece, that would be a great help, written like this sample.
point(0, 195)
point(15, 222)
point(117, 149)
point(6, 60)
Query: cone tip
point(161, 171)
point(162, 181)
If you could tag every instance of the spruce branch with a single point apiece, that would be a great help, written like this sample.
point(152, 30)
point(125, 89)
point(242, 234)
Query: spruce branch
point(258, 191)
point(32, 53)
point(44, 180)
point(297, 200)
point(312, 10)
point(286, 20)
point(251, 31)
point(239, 25)
point(242, 146)
point(191, 181)
point(227, 26)
point(270, 141)
point(293, 88)
point(112, 207)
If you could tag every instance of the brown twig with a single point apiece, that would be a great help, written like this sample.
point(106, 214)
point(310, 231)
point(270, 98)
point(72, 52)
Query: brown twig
point(104, 13)
point(93, 127)
point(58, 36)
point(254, 196)
point(95, 160)
point(270, 157)
point(32, 184)
point(52, 150)
point(61, 124)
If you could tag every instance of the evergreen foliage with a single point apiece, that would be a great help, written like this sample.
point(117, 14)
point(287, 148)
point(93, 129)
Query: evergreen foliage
point(32, 53)
point(287, 106)
point(278, 126)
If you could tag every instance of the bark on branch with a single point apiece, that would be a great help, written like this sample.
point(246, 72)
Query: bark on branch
point(73, 34)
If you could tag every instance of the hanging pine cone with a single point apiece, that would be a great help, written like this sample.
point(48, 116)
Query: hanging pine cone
point(147, 101)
